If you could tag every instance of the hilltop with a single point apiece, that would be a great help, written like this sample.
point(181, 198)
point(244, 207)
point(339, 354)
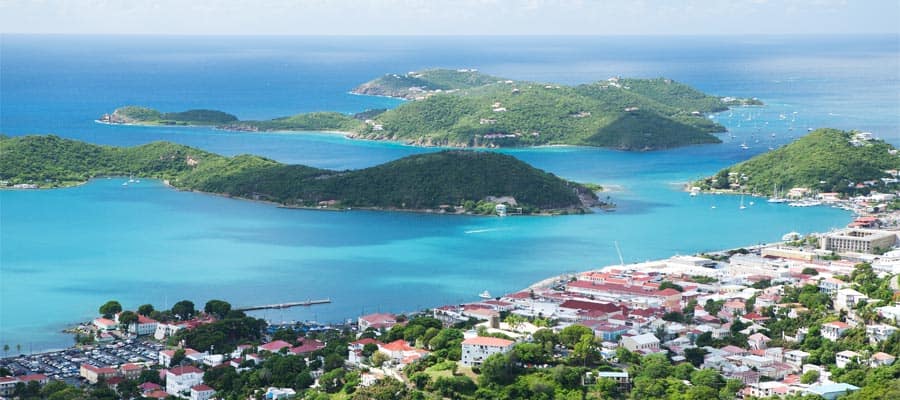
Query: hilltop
point(465, 108)
point(474, 181)
point(825, 160)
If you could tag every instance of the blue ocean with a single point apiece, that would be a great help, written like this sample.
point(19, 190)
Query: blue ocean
point(64, 252)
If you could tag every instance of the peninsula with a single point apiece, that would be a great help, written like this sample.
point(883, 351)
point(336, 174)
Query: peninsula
point(465, 108)
point(824, 161)
point(457, 182)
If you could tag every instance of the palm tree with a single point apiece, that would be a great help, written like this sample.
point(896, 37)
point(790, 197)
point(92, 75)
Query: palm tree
point(5, 350)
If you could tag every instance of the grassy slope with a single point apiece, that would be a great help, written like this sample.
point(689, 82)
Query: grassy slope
point(415, 182)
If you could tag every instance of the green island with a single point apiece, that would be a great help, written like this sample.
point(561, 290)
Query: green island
point(452, 181)
point(825, 160)
point(465, 108)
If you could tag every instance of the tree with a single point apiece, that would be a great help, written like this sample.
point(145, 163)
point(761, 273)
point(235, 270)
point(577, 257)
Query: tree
point(571, 335)
point(128, 389)
point(110, 308)
point(809, 271)
point(184, 309)
point(218, 308)
point(127, 318)
point(669, 285)
point(5, 350)
point(177, 358)
point(584, 350)
point(811, 376)
point(713, 307)
point(145, 310)
point(694, 355)
point(497, 369)
point(378, 359)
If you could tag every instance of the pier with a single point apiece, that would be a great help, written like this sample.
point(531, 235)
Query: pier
point(305, 303)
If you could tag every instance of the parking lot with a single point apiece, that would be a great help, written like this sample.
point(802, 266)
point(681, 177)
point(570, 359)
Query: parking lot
point(64, 365)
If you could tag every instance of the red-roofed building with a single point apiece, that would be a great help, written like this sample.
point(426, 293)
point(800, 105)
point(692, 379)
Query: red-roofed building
point(105, 324)
point(668, 298)
point(308, 346)
point(179, 380)
point(156, 394)
point(148, 387)
point(143, 326)
point(92, 374)
point(273, 347)
point(377, 321)
point(131, 371)
point(475, 350)
point(41, 379)
point(834, 330)
point(400, 351)
point(202, 392)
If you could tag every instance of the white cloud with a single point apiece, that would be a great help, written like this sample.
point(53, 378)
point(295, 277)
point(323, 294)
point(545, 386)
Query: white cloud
point(448, 17)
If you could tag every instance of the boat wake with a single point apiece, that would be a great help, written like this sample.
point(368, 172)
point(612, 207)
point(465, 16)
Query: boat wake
point(473, 231)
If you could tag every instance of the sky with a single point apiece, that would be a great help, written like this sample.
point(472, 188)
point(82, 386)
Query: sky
point(450, 17)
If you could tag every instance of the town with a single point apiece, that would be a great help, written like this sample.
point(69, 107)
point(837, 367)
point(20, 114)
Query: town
point(812, 315)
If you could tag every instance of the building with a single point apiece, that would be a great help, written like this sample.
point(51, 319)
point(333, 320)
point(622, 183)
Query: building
point(105, 324)
point(880, 359)
point(847, 299)
point(758, 341)
point(834, 330)
point(202, 392)
point(8, 383)
point(845, 357)
point(280, 393)
point(796, 358)
point(646, 343)
point(377, 321)
point(832, 391)
point(475, 350)
point(858, 240)
point(623, 381)
point(400, 351)
point(274, 346)
point(879, 332)
point(93, 374)
point(130, 371)
point(144, 326)
point(181, 379)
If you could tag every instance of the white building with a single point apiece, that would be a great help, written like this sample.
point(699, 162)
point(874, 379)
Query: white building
point(280, 393)
point(879, 332)
point(845, 357)
point(834, 330)
point(847, 299)
point(796, 358)
point(144, 326)
point(475, 350)
point(202, 392)
point(646, 343)
point(182, 379)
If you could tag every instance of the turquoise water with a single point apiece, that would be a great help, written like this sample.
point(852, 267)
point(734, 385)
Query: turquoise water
point(64, 252)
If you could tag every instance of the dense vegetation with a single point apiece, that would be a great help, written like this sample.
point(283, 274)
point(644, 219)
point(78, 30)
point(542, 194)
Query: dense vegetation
point(824, 160)
point(144, 115)
point(454, 178)
point(395, 85)
point(632, 114)
point(464, 108)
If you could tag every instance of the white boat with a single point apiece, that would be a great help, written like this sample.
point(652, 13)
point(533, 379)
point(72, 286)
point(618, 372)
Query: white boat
point(742, 203)
point(744, 146)
point(124, 183)
point(695, 191)
point(485, 295)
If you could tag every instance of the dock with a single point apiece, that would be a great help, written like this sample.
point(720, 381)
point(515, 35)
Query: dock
point(305, 303)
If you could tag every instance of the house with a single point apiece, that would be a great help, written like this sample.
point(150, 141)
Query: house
point(879, 332)
point(845, 357)
point(646, 343)
point(623, 381)
point(475, 350)
point(355, 349)
point(832, 391)
point(847, 299)
point(830, 286)
point(767, 389)
point(401, 352)
point(377, 321)
point(796, 357)
point(202, 392)
point(149, 387)
point(165, 356)
point(280, 393)
point(7, 385)
point(105, 324)
point(143, 326)
point(93, 374)
point(758, 341)
point(274, 346)
point(880, 359)
point(307, 346)
point(130, 370)
point(834, 330)
point(181, 379)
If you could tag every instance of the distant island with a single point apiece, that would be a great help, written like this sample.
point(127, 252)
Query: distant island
point(458, 182)
point(824, 161)
point(465, 108)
